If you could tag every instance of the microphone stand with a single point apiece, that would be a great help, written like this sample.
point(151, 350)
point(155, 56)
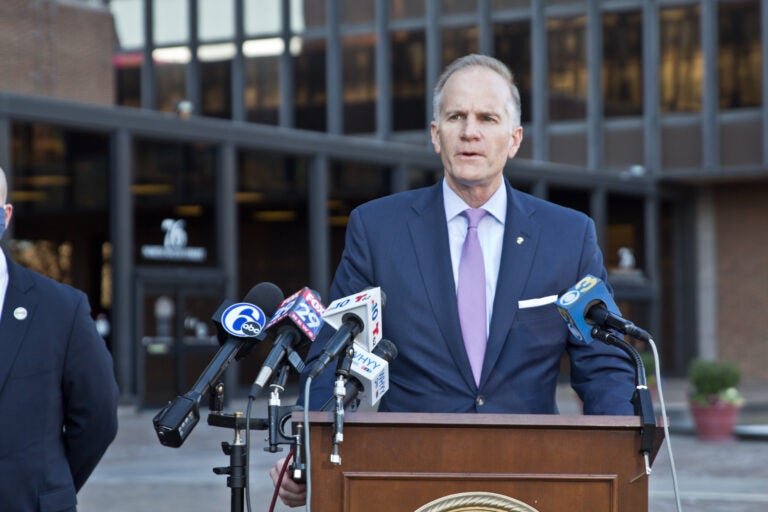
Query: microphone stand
point(343, 369)
point(641, 399)
point(237, 450)
point(237, 470)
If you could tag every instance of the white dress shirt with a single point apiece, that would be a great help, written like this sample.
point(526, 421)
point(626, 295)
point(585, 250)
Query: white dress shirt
point(490, 230)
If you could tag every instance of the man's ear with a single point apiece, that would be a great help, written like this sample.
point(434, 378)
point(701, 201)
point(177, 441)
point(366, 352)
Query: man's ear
point(434, 131)
point(516, 138)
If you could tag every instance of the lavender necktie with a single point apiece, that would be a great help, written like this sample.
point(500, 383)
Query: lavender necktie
point(471, 294)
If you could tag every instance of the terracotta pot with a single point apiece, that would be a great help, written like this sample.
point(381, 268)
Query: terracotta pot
point(714, 422)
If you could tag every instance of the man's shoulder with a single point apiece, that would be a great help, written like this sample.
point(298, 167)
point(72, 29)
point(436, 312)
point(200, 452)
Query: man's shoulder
point(544, 209)
point(25, 278)
point(397, 202)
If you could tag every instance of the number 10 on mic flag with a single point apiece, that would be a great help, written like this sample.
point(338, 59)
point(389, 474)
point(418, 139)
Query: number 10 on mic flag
point(366, 306)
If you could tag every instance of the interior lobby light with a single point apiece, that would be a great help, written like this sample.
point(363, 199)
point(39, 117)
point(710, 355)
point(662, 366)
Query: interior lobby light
point(172, 55)
point(188, 210)
point(28, 196)
point(151, 189)
point(275, 216)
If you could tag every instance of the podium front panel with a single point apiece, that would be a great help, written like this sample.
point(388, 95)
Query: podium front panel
point(400, 462)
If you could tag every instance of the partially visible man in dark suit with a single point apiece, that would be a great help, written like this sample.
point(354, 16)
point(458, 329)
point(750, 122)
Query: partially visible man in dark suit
point(58, 395)
point(499, 350)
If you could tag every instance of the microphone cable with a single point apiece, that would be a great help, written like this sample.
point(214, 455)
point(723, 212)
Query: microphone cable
point(665, 422)
point(308, 455)
point(279, 481)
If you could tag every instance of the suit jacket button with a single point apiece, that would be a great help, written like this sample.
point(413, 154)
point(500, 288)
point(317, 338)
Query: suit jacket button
point(480, 401)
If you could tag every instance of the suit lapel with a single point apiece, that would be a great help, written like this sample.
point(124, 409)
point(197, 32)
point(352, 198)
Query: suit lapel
point(13, 328)
point(433, 254)
point(521, 237)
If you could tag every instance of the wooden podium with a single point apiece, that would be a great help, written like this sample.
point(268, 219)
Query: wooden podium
point(394, 462)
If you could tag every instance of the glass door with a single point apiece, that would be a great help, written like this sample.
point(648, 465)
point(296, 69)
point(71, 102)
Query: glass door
point(176, 337)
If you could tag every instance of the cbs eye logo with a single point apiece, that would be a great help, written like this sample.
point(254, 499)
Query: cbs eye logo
point(583, 286)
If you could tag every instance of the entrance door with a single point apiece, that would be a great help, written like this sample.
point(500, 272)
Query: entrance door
point(176, 337)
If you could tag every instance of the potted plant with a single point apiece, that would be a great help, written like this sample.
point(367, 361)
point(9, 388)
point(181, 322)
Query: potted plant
point(715, 399)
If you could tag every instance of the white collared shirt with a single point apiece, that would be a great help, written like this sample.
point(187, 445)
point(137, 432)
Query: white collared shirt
point(3, 280)
point(490, 231)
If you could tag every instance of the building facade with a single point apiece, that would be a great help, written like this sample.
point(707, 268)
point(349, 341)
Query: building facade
point(166, 155)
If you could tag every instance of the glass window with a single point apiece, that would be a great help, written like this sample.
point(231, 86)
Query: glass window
point(170, 81)
point(129, 22)
point(128, 78)
point(356, 11)
point(458, 42)
point(458, 6)
point(59, 188)
point(359, 79)
point(512, 44)
point(58, 169)
point(681, 59)
point(351, 184)
point(409, 111)
point(623, 63)
point(216, 88)
point(216, 19)
point(567, 68)
point(739, 61)
point(272, 205)
point(309, 92)
point(499, 5)
point(625, 234)
point(262, 17)
point(404, 9)
point(171, 24)
point(313, 13)
point(262, 89)
point(174, 190)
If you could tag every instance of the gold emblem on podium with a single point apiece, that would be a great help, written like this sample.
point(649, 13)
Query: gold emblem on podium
point(476, 502)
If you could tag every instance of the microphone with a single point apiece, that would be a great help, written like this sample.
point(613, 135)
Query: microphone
point(244, 322)
point(589, 303)
point(369, 375)
point(357, 318)
point(298, 318)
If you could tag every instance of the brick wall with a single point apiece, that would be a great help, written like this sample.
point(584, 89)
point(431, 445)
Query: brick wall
point(742, 268)
point(57, 48)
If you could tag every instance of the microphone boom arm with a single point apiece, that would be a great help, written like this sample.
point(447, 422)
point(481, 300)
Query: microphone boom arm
point(641, 399)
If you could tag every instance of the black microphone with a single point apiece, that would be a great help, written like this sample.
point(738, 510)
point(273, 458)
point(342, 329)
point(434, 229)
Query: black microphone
point(298, 319)
point(244, 321)
point(368, 375)
point(589, 303)
point(357, 318)
point(604, 318)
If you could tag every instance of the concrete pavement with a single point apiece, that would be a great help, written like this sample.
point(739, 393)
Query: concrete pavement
point(138, 473)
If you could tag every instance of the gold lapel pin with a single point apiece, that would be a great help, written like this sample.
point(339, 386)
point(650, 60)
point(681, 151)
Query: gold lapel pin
point(519, 240)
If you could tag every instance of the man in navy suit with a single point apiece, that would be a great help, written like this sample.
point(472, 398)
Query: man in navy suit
point(410, 244)
point(58, 394)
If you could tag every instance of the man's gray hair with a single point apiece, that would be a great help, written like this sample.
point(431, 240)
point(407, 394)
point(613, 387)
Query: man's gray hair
point(3, 187)
point(474, 59)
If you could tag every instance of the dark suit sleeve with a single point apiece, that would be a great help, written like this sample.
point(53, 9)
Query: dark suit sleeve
point(353, 274)
point(90, 395)
point(602, 375)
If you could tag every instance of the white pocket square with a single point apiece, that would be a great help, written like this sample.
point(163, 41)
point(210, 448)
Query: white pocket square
point(534, 303)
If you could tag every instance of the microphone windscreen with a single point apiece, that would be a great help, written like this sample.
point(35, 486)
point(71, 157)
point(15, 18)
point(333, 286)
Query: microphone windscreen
point(386, 350)
point(267, 296)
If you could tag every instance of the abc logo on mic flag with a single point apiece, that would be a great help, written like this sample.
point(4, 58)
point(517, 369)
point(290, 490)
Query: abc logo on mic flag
point(243, 320)
point(365, 305)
